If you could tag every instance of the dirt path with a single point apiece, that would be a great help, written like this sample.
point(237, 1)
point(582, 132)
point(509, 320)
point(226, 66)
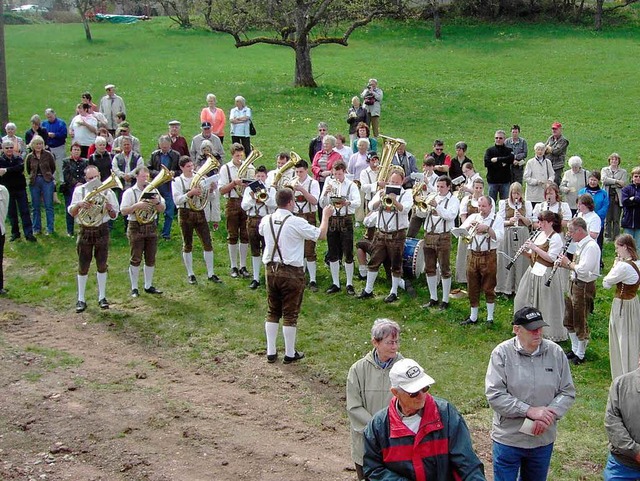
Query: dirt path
point(111, 410)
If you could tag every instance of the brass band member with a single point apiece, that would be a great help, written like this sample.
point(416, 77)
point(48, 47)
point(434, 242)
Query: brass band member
point(552, 202)
point(212, 209)
point(368, 187)
point(486, 229)
point(468, 206)
point(428, 185)
point(443, 210)
point(93, 241)
point(283, 258)
point(191, 219)
point(281, 159)
point(532, 291)
point(306, 194)
point(345, 197)
point(584, 270)
point(388, 241)
point(143, 237)
point(257, 205)
point(230, 185)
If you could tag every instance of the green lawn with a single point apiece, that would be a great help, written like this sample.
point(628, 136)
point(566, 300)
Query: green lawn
point(477, 79)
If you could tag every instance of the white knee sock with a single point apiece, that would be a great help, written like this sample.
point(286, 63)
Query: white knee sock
point(574, 342)
point(187, 258)
point(148, 275)
point(446, 289)
point(401, 284)
point(289, 333)
point(312, 268)
point(134, 272)
point(233, 255)
point(371, 280)
point(256, 261)
point(102, 285)
point(394, 284)
point(244, 248)
point(362, 269)
point(582, 348)
point(490, 309)
point(271, 329)
point(334, 267)
point(348, 269)
point(82, 287)
point(208, 261)
point(432, 282)
point(474, 314)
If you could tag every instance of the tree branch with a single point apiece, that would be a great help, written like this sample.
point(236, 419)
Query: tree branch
point(620, 5)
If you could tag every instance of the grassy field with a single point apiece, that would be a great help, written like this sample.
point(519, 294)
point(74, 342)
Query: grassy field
point(478, 79)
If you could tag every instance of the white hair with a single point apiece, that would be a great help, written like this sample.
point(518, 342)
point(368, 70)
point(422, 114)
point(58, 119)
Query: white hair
point(363, 141)
point(575, 161)
point(539, 145)
point(10, 125)
point(100, 140)
point(241, 99)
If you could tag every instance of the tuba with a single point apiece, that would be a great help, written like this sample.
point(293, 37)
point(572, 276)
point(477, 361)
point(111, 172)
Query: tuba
point(92, 216)
point(244, 168)
point(280, 182)
point(147, 216)
point(199, 202)
point(389, 150)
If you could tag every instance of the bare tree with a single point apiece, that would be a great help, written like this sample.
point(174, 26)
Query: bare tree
point(601, 11)
point(4, 97)
point(85, 7)
point(298, 24)
point(179, 11)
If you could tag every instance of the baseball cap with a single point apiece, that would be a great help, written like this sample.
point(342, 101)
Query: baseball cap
point(205, 125)
point(409, 376)
point(175, 122)
point(372, 154)
point(530, 318)
point(556, 125)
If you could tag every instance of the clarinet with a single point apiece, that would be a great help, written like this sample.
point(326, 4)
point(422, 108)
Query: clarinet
point(520, 251)
point(556, 264)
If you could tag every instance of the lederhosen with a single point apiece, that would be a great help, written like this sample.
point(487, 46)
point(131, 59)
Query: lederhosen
point(191, 220)
point(254, 216)
point(236, 217)
point(437, 247)
point(388, 242)
point(92, 242)
point(300, 205)
point(481, 270)
point(143, 239)
point(579, 304)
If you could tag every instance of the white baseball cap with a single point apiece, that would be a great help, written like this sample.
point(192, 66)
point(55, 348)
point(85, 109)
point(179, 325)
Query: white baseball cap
point(409, 376)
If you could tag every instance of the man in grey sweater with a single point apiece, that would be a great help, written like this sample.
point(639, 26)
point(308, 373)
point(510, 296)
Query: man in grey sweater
point(529, 387)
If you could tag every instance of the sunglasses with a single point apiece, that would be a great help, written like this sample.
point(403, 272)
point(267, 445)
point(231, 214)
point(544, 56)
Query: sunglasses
point(416, 394)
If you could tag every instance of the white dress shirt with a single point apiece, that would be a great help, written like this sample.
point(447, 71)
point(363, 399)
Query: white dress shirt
point(303, 206)
point(442, 220)
point(291, 241)
point(258, 209)
point(132, 195)
point(621, 272)
point(393, 220)
point(346, 189)
point(479, 242)
point(587, 267)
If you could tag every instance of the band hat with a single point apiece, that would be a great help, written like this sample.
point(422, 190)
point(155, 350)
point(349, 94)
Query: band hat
point(556, 125)
point(409, 376)
point(372, 154)
point(530, 318)
point(175, 122)
point(109, 86)
point(205, 125)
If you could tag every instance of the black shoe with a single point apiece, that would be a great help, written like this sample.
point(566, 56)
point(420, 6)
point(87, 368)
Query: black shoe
point(234, 272)
point(135, 293)
point(254, 284)
point(297, 356)
point(152, 290)
point(365, 295)
point(361, 277)
point(244, 273)
point(333, 289)
point(350, 290)
point(192, 280)
point(489, 321)
point(166, 237)
point(3, 292)
point(391, 298)
point(32, 238)
point(576, 361)
point(444, 306)
point(570, 355)
point(103, 303)
point(432, 303)
point(14, 237)
point(271, 358)
point(468, 322)
point(408, 286)
point(313, 286)
point(81, 306)
point(215, 279)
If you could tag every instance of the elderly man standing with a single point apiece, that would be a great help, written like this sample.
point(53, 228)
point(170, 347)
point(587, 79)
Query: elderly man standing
point(371, 97)
point(178, 142)
point(206, 134)
point(368, 385)
point(622, 423)
point(12, 177)
point(4, 207)
point(408, 162)
point(110, 105)
point(557, 150)
point(537, 173)
point(529, 387)
point(418, 436)
point(498, 160)
point(168, 157)
point(56, 139)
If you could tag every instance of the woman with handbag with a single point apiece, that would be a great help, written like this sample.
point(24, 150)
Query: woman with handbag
point(241, 124)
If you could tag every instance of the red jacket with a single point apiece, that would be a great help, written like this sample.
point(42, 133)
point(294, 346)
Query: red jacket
point(315, 166)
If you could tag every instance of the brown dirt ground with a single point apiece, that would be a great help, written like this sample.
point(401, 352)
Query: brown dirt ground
point(128, 412)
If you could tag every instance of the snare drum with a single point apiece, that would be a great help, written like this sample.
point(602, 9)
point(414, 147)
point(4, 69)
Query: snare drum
point(413, 257)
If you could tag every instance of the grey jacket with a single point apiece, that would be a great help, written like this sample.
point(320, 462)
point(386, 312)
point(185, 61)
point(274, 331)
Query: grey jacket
point(609, 178)
point(516, 381)
point(368, 391)
point(621, 419)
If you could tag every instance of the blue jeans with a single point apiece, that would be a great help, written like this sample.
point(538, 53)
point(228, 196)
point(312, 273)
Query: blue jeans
point(19, 206)
point(502, 189)
point(532, 464)
point(170, 211)
point(42, 190)
point(635, 233)
point(615, 471)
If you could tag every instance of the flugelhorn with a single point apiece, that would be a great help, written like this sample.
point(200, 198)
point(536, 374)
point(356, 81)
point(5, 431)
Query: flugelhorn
point(147, 216)
point(93, 215)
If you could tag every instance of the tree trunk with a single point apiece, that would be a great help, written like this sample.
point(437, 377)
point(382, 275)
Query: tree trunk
point(4, 95)
point(87, 28)
point(437, 23)
point(304, 69)
point(598, 16)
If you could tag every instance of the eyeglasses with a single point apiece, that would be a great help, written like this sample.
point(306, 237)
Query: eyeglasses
point(439, 149)
point(392, 342)
point(416, 394)
point(499, 138)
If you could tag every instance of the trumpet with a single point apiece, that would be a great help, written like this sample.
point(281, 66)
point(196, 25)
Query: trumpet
point(520, 251)
point(468, 238)
point(292, 183)
point(262, 195)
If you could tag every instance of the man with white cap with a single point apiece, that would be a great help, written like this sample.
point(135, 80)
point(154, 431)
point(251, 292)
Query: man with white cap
point(529, 387)
point(110, 105)
point(178, 142)
point(418, 436)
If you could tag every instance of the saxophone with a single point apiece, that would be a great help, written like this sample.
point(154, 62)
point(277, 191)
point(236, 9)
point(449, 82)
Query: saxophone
point(149, 215)
point(244, 168)
point(93, 215)
point(199, 202)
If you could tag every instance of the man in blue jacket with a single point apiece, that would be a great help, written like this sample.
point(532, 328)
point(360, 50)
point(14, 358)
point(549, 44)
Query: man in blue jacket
point(56, 139)
point(418, 437)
